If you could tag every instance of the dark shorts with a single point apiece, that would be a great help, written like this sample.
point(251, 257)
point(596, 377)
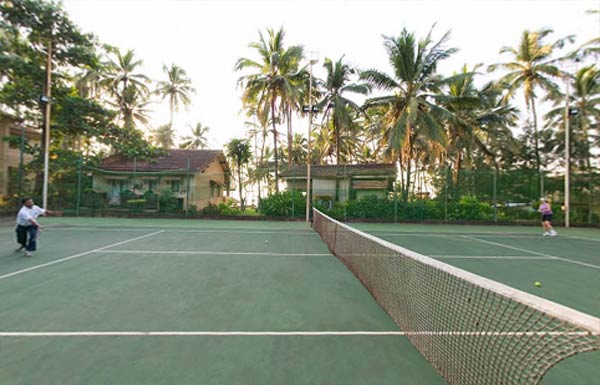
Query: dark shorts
point(547, 218)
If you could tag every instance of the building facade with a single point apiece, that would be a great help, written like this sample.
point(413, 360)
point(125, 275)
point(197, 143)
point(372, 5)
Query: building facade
point(194, 177)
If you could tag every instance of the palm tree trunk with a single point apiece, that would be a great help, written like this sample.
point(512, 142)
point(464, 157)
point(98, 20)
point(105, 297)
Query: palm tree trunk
point(537, 147)
point(171, 107)
point(239, 170)
point(337, 139)
point(290, 136)
point(262, 159)
point(274, 142)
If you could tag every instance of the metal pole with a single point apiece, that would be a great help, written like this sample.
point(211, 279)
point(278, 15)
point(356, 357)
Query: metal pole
point(308, 198)
point(47, 124)
point(567, 160)
point(21, 164)
point(187, 189)
point(79, 167)
point(494, 194)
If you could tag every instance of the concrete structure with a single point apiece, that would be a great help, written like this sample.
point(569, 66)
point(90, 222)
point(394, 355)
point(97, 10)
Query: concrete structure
point(196, 177)
point(10, 153)
point(345, 182)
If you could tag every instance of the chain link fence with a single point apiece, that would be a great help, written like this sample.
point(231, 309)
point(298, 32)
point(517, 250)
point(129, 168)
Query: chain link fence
point(347, 192)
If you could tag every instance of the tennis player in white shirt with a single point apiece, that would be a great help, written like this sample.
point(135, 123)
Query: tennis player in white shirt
point(28, 225)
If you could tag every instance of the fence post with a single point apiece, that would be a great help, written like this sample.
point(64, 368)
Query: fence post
point(79, 170)
point(395, 201)
point(293, 192)
point(494, 199)
point(446, 193)
point(187, 190)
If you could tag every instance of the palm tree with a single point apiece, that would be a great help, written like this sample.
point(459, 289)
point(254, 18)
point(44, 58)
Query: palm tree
point(532, 67)
point(197, 139)
point(177, 88)
point(477, 119)
point(163, 136)
point(239, 151)
point(336, 106)
point(133, 105)
point(271, 87)
point(410, 112)
point(122, 81)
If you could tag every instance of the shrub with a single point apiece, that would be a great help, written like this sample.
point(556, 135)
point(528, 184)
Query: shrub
point(229, 208)
point(283, 204)
point(136, 205)
point(151, 200)
point(469, 208)
point(126, 196)
point(211, 209)
point(167, 201)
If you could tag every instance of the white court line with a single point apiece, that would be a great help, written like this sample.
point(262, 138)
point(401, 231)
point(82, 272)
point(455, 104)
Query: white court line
point(533, 252)
point(117, 251)
point(288, 333)
point(485, 257)
point(583, 238)
point(282, 232)
point(76, 255)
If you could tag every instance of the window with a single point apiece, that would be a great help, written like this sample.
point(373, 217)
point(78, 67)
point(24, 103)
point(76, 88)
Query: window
point(175, 185)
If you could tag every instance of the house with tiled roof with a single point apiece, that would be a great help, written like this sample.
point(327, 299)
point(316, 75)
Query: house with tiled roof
point(13, 133)
point(339, 183)
point(194, 177)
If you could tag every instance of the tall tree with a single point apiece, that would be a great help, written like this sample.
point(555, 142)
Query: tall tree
point(337, 108)
point(239, 151)
point(532, 67)
point(178, 89)
point(163, 136)
point(198, 139)
point(410, 111)
point(271, 87)
point(54, 46)
point(124, 82)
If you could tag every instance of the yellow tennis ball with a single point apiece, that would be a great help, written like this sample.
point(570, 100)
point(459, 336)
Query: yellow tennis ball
point(537, 284)
point(266, 241)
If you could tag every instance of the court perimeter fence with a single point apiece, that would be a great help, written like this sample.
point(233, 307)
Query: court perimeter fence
point(347, 192)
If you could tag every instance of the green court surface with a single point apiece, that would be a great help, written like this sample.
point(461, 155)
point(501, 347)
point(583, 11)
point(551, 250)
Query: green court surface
point(192, 302)
point(567, 266)
point(124, 301)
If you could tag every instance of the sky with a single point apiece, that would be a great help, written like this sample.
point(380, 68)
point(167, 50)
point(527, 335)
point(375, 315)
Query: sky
point(206, 37)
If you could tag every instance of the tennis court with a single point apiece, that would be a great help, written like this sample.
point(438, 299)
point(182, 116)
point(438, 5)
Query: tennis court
point(182, 302)
point(189, 302)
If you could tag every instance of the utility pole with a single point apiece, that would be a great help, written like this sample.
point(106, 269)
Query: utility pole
point(313, 60)
point(46, 100)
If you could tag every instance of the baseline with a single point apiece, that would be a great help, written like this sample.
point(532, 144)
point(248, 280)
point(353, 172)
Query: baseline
point(287, 333)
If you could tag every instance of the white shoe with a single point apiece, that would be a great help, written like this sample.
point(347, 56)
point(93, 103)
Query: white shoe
point(28, 253)
point(545, 234)
point(553, 233)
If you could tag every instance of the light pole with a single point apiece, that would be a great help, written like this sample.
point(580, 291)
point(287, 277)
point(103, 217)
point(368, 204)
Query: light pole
point(314, 58)
point(568, 113)
point(46, 101)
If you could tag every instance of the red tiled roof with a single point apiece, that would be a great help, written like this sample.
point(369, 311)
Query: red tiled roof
point(368, 169)
point(174, 160)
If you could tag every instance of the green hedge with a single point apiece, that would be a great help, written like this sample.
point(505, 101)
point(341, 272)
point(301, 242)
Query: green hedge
point(283, 204)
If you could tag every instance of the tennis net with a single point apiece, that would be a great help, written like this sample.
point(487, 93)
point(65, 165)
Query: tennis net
point(471, 329)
